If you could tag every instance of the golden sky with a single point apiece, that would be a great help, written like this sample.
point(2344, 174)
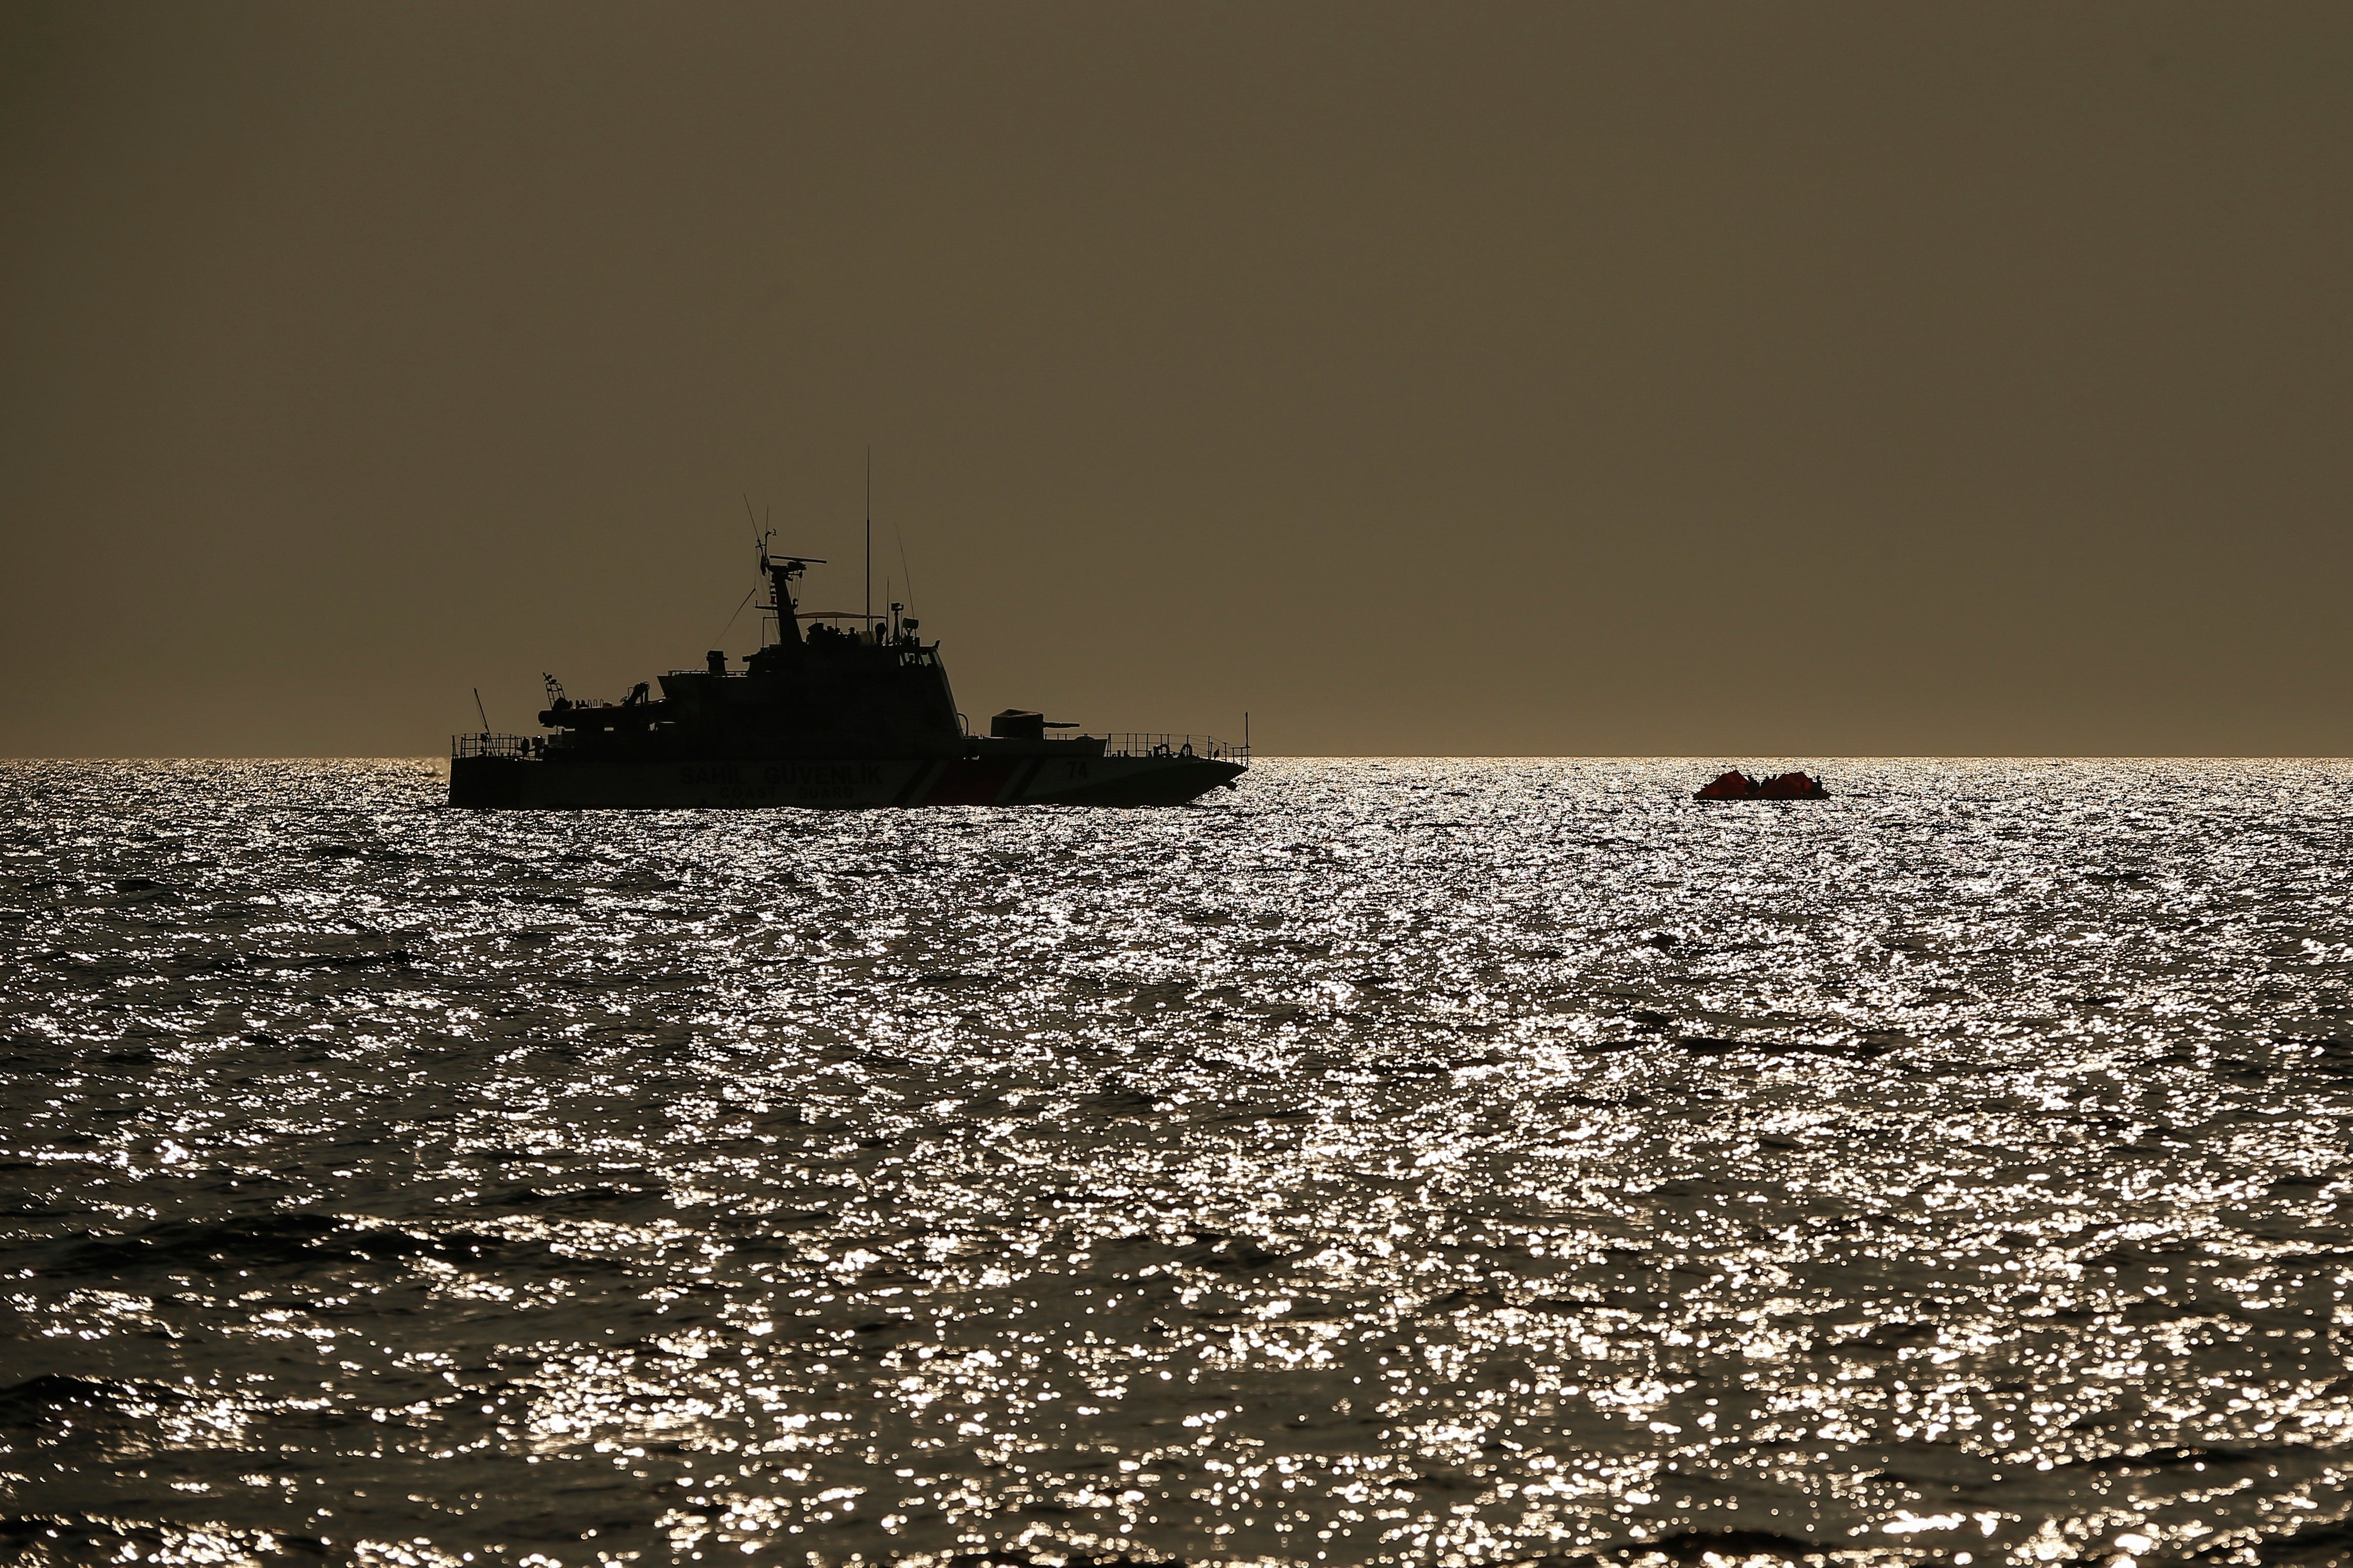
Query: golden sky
point(1739, 379)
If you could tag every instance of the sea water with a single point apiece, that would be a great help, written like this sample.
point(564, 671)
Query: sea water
point(1391, 1162)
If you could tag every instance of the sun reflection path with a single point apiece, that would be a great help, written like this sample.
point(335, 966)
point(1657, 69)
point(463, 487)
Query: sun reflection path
point(1394, 1162)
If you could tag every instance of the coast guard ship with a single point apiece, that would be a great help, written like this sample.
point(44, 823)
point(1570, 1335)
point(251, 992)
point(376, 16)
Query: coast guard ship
point(853, 712)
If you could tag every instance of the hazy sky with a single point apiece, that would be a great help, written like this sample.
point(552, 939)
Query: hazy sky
point(1738, 379)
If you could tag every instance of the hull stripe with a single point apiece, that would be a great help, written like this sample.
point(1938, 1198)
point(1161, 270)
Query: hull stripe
point(969, 781)
point(918, 785)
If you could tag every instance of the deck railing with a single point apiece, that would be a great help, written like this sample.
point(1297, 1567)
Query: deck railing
point(1127, 744)
point(1144, 743)
point(490, 746)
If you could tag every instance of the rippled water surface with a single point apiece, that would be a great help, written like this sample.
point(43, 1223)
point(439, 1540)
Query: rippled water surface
point(1391, 1162)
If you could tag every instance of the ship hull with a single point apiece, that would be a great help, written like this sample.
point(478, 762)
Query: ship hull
point(547, 783)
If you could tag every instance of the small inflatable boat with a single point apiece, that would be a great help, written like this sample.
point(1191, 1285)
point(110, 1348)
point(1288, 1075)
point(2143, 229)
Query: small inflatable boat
point(1780, 786)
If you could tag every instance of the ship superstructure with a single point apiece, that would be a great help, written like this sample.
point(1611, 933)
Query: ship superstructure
point(833, 710)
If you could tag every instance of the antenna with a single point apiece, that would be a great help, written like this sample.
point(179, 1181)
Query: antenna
point(478, 709)
point(869, 540)
point(904, 569)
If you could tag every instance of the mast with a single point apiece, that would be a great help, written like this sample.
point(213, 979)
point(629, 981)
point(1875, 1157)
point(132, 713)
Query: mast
point(780, 570)
point(869, 543)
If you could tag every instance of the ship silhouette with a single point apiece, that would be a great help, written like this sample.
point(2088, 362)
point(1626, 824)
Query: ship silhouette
point(855, 711)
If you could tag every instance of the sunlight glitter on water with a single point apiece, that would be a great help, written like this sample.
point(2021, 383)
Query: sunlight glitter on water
point(1396, 1162)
